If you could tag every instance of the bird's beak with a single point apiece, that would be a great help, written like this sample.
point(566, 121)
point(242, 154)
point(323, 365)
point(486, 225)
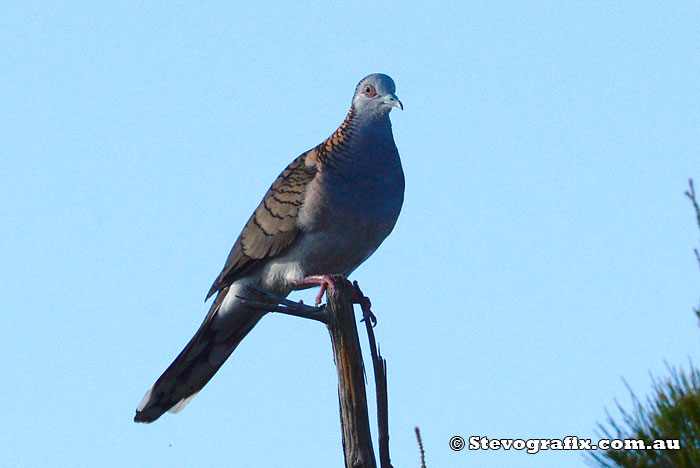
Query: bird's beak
point(393, 101)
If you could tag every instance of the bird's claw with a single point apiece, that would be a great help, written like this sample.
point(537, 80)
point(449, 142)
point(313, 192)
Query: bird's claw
point(365, 304)
point(369, 315)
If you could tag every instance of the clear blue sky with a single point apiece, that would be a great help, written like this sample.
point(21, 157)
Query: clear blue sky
point(544, 251)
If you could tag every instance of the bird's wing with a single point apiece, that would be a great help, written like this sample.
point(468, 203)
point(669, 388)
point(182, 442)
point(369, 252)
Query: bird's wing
point(273, 225)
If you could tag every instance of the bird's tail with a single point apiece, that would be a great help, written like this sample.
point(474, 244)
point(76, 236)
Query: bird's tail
point(198, 362)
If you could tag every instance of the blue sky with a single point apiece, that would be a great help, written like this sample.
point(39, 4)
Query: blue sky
point(543, 254)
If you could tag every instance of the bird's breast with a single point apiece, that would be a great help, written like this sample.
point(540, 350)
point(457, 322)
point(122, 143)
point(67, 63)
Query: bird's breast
point(346, 216)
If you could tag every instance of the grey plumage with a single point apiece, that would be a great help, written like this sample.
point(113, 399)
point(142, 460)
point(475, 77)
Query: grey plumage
point(326, 213)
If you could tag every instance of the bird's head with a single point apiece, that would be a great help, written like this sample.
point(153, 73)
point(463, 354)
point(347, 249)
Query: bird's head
point(374, 96)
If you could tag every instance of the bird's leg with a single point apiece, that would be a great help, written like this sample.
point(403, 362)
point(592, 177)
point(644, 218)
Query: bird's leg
point(324, 281)
point(365, 304)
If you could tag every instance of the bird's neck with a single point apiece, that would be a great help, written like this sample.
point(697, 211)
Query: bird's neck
point(368, 124)
point(357, 135)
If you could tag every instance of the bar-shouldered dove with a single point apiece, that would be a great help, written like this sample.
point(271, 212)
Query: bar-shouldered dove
point(325, 214)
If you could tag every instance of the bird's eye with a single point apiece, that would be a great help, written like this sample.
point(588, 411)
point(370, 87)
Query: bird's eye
point(370, 91)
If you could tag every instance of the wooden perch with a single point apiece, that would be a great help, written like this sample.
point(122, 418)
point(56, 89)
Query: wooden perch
point(339, 317)
point(380, 381)
point(347, 354)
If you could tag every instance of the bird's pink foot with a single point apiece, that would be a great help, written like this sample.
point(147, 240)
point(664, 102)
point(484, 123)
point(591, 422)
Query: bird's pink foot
point(365, 304)
point(324, 281)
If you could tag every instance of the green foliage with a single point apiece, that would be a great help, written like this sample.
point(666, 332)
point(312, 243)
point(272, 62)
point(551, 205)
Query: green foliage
point(672, 412)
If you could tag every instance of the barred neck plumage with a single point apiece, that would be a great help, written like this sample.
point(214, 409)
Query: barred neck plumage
point(343, 144)
point(338, 143)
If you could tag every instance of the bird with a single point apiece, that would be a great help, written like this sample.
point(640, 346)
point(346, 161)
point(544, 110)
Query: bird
point(325, 214)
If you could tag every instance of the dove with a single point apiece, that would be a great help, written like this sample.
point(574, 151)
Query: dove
point(325, 214)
